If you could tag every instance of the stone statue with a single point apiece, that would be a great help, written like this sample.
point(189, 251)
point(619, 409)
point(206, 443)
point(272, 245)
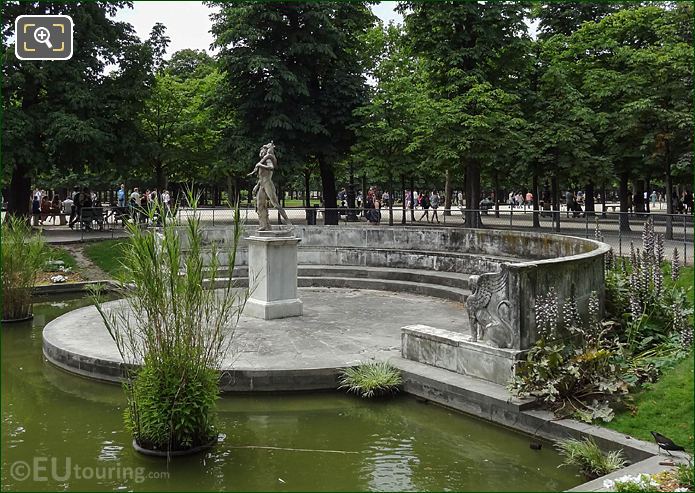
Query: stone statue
point(264, 191)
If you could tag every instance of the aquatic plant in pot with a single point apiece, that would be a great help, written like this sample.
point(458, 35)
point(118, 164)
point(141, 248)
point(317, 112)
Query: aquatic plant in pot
point(173, 329)
point(23, 254)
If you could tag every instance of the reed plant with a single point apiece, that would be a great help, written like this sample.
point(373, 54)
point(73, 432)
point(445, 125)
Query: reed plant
point(371, 379)
point(587, 455)
point(23, 255)
point(173, 328)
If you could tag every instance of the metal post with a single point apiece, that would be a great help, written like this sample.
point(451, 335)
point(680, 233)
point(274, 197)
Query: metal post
point(213, 215)
point(586, 216)
point(511, 214)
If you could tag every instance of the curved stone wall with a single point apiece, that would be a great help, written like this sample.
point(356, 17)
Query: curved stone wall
point(511, 267)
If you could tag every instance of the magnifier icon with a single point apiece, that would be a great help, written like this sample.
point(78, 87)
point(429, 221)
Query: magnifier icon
point(43, 35)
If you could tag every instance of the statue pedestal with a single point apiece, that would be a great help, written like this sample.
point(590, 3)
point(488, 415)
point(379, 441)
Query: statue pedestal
point(273, 275)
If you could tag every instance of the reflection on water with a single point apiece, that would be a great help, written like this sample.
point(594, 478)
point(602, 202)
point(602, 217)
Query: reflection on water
point(324, 441)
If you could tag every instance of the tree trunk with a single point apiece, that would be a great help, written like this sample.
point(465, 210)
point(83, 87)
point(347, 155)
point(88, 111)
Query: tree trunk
point(555, 191)
point(497, 191)
point(412, 199)
point(19, 200)
point(307, 192)
point(603, 199)
point(447, 194)
point(364, 195)
point(647, 186)
point(534, 187)
point(352, 211)
point(390, 201)
point(669, 202)
point(330, 202)
point(624, 195)
point(589, 204)
point(638, 200)
point(472, 219)
point(159, 175)
point(403, 192)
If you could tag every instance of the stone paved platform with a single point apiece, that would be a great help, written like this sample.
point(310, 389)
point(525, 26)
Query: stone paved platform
point(339, 328)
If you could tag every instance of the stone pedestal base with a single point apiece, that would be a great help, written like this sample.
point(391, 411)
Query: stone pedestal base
point(453, 351)
point(273, 309)
point(273, 275)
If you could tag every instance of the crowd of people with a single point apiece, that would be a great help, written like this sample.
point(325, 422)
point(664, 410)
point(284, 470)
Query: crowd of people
point(83, 207)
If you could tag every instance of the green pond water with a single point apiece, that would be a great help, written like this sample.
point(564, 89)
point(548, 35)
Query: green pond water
point(64, 432)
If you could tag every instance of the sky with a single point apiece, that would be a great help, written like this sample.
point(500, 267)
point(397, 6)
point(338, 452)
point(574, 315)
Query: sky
point(188, 23)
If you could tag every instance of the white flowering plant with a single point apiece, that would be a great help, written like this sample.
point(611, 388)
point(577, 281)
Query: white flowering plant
point(627, 483)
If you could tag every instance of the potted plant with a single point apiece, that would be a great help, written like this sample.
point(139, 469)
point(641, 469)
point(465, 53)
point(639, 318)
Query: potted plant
point(22, 258)
point(173, 329)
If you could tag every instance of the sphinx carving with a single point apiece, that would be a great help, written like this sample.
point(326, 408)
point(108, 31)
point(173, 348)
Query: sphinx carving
point(489, 310)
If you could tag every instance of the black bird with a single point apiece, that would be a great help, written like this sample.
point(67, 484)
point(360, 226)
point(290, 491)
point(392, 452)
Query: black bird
point(666, 443)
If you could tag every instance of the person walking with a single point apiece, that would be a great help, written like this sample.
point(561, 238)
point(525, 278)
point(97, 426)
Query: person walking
point(36, 210)
point(76, 207)
point(434, 203)
point(425, 204)
point(121, 196)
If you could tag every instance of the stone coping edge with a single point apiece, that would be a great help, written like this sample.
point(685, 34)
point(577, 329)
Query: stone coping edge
point(73, 287)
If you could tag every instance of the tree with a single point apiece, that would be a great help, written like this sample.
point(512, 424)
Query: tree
point(474, 55)
point(71, 114)
point(388, 120)
point(566, 17)
point(183, 134)
point(293, 74)
point(635, 68)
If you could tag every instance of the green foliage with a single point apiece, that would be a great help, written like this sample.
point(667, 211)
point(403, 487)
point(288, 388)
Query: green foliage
point(576, 373)
point(23, 256)
point(577, 367)
point(182, 131)
point(72, 115)
point(371, 379)
point(172, 406)
point(175, 326)
point(293, 73)
point(589, 458)
point(664, 406)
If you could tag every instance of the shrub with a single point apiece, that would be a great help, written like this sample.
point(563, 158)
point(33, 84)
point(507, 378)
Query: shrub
point(575, 366)
point(371, 379)
point(175, 328)
point(586, 455)
point(22, 258)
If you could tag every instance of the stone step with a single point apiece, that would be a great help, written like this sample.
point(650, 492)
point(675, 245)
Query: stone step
point(419, 288)
point(451, 279)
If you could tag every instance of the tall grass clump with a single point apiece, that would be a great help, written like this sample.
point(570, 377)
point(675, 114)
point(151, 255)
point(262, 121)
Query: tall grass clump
point(589, 458)
point(371, 379)
point(173, 330)
point(23, 255)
